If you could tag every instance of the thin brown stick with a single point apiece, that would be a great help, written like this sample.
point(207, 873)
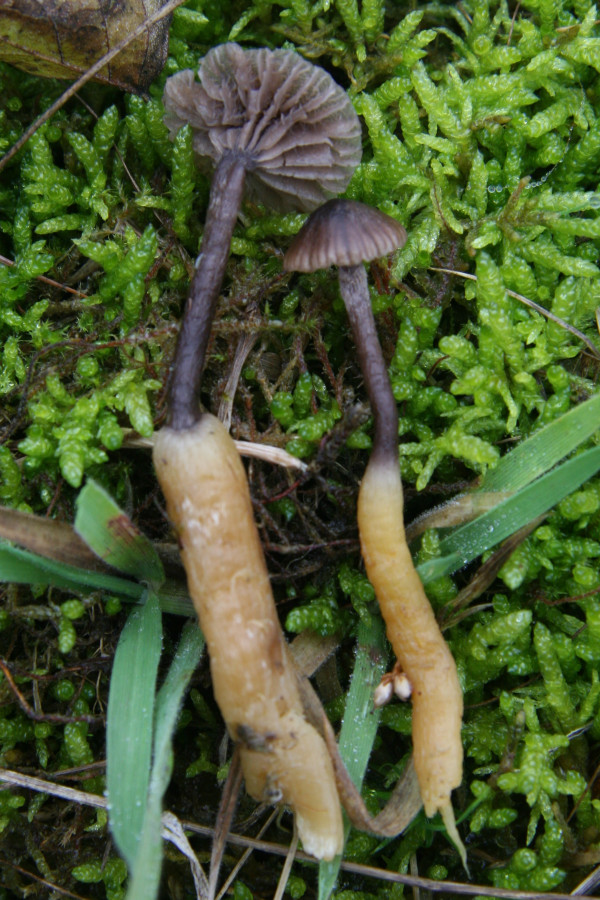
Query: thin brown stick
point(87, 76)
point(41, 717)
point(243, 348)
point(287, 867)
point(452, 887)
point(49, 884)
point(533, 305)
point(229, 799)
point(245, 855)
point(277, 456)
point(63, 287)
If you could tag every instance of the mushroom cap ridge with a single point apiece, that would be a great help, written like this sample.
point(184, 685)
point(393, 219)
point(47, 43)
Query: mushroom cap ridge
point(343, 233)
point(294, 125)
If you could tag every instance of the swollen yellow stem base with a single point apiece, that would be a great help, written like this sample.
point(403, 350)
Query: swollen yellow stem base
point(254, 679)
point(415, 637)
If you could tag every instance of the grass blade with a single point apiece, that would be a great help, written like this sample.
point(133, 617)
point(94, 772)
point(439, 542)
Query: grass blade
point(129, 725)
point(147, 867)
point(113, 536)
point(545, 448)
point(24, 567)
point(359, 726)
point(472, 539)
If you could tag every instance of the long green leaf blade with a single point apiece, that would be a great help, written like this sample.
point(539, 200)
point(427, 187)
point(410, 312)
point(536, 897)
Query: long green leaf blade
point(471, 540)
point(545, 448)
point(360, 723)
point(129, 725)
point(24, 567)
point(146, 871)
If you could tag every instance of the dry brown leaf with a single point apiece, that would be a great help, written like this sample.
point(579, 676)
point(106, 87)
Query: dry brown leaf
point(48, 538)
point(405, 800)
point(63, 38)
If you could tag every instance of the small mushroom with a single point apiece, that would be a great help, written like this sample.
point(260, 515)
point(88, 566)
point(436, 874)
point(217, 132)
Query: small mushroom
point(273, 122)
point(346, 233)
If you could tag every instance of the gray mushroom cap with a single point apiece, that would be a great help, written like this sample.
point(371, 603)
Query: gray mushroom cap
point(343, 233)
point(294, 125)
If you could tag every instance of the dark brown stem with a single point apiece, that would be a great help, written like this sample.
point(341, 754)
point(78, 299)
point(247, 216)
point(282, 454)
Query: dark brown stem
point(355, 294)
point(225, 200)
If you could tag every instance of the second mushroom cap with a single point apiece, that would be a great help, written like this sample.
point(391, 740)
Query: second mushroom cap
point(343, 233)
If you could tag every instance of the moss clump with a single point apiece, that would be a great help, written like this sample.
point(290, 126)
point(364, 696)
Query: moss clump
point(482, 136)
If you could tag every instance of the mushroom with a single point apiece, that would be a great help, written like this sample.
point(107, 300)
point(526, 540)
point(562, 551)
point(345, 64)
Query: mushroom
point(273, 121)
point(346, 233)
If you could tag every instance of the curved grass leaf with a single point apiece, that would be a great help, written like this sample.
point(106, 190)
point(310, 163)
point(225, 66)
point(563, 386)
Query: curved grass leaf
point(146, 870)
point(545, 448)
point(360, 723)
point(130, 723)
point(468, 542)
point(24, 567)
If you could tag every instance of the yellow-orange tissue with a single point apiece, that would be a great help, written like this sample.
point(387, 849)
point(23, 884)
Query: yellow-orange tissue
point(255, 683)
point(415, 638)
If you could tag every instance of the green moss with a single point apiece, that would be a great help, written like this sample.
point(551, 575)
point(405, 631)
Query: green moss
point(482, 136)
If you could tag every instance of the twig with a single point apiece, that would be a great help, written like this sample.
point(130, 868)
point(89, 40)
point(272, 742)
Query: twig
point(87, 76)
point(244, 346)
point(287, 866)
point(229, 799)
point(588, 884)
point(49, 884)
point(267, 452)
point(243, 858)
point(41, 717)
point(452, 887)
point(531, 303)
point(63, 287)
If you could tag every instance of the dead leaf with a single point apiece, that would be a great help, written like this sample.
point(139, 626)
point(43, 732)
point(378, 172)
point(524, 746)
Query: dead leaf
point(405, 800)
point(48, 538)
point(457, 511)
point(63, 38)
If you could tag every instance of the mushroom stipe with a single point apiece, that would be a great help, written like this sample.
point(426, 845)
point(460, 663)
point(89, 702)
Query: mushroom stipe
point(346, 234)
point(277, 126)
point(254, 678)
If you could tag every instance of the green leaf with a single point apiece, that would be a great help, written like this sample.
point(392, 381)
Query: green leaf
point(469, 541)
point(545, 448)
point(129, 725)
point(146, 871)
point(23, 567)
point(360, 723)
point(114, 537)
